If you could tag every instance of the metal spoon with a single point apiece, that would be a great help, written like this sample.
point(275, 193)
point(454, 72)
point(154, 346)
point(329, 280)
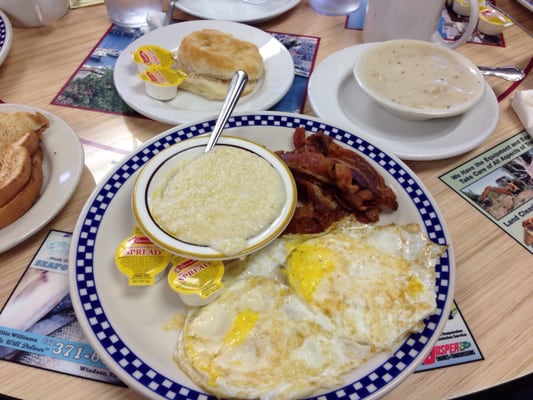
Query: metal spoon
point(508, 72)
point(170, 12)
point(236, 86)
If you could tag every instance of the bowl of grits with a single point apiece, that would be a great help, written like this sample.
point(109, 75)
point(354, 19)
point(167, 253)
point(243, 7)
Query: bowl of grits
point(418, 80)
point(219, 205)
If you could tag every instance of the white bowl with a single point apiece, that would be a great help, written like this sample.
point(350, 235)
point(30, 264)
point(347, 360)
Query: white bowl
point(418, 80)
point(157, 170)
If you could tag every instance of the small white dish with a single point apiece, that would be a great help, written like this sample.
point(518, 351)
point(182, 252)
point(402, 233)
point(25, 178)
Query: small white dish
point(418, 80)
point(188, 107)
point(156, 171)
point(6, 36)
point(236, 10)
point(335, 95)
point(63, 163)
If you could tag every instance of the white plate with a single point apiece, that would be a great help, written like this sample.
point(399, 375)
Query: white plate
point(62, 168)
point(527, 4)
point(335, 96)
point(187, 107)
point(236, 10)
point(6, 36)
point(125, 324)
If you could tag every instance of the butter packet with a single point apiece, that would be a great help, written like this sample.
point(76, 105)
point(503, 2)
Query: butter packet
point(197, 282)
point(162, 83)
point(492, 22)
point(140, 260)
point(153, 56)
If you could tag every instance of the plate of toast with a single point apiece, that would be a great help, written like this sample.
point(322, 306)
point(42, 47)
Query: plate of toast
point(6, 36)
point(41, 162)
point(209, 52)
point(237, 10)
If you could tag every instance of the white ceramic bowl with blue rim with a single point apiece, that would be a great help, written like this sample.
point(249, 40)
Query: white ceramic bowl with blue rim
point(162, 164)
point(124, 325)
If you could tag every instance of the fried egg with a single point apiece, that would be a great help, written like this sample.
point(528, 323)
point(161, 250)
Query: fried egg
point(260, 340)
point(375, 283)
point(302, 312)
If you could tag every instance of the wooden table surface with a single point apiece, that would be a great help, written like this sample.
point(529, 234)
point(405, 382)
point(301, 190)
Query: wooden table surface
point(494, 273)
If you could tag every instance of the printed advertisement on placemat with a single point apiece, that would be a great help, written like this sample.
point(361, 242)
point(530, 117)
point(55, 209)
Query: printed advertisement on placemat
point(38, 326)
point(456, 345)
point(91, 86)
point(499, 183)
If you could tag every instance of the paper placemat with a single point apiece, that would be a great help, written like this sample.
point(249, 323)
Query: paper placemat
point(499, 183)
point(89, 86)
point(38, 326)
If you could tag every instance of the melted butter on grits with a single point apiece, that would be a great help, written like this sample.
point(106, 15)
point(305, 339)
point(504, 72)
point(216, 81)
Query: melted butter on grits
point(420, 75)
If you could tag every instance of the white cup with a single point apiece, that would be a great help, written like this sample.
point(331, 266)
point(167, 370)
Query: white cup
point(33, 13)
point(131, 13)
point(411, 19)
point(334, 7)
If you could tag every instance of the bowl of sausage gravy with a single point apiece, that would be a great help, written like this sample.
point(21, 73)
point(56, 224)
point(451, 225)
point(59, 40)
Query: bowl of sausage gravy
point(418, 80)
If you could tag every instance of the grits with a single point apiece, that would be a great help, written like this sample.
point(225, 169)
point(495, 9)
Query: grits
point(220, 199)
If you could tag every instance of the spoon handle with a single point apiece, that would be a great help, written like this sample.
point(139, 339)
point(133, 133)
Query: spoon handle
point(236, 86)
point(170, 11)
point(509, 72)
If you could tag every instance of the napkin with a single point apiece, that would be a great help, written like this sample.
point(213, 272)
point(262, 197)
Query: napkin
point(522, 104)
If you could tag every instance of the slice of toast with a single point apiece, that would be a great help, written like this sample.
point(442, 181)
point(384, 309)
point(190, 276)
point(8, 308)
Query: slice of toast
point(30, 140)
point(26, 197)
point(14, 126)
point(15, 171)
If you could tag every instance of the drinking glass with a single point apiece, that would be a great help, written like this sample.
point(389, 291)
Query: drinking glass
point(131, 13)
point(335, 7)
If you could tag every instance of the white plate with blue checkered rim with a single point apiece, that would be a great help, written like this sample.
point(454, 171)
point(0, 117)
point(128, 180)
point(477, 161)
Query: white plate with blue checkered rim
point(6, 36)
point(125, 325)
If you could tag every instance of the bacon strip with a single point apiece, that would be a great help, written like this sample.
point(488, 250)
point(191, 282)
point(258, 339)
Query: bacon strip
point(333, 182)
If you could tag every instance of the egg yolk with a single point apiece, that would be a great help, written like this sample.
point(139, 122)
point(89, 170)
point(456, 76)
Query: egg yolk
point(308, 264)
point(414, 286)
point(242, 325)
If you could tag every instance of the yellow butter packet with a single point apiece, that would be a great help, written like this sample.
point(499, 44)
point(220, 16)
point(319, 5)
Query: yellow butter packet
point(492, 22)
point(162, 83)
point(151, 55)
point(494, 16)
point(141, 260)
point(197, 282)
point(163, 76)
